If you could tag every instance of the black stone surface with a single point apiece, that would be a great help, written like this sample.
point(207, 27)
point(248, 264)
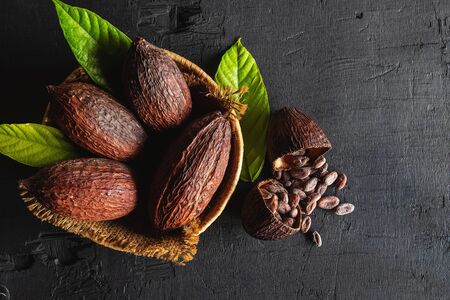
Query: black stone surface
point(375, 74)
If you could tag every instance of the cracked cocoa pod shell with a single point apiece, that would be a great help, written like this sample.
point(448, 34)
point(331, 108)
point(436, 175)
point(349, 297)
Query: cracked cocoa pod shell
point(291, 132)
point(260, 222)
point(155, 87)
point(94, 120)
point(95, 189)
point(191, 172)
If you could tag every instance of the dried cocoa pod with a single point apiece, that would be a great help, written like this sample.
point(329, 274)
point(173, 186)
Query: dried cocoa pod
point(156, 87)
point(191, 172)
point(260, 222)
point(94, 120)
point(290, 132)
point(95, 189)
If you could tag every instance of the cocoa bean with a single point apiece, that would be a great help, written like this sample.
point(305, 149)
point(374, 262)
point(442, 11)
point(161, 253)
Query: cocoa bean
point(328, 202)
point(283, 207)
point(299, 161)
point(321, 188)
point(293, 213)
point(341, 181)
point(310, 207)
point(322, 171)
point(344, 209)
point(300, 173)
point(288, 221)
point(330, 178)
point(314, 197)
point(273, 203)
point(317, 239)
point(306, 224)
point(299, 192)
point(310, 185)
point(294, 200)
point(284, 197)
point(319, 162)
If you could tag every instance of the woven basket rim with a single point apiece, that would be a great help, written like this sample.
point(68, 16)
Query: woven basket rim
point(171, 248)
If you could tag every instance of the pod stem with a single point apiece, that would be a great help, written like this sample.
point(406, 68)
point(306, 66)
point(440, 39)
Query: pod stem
point(232, 99)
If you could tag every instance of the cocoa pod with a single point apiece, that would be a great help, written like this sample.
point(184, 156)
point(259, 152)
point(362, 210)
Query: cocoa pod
point(95, 189)
point(156, 87)
point(261, 222)
point(291, 132)
point(94, 120)
point(190, 172)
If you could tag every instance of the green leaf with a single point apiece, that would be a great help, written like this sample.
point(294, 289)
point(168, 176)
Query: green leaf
point(99, 47)
point(34, 144)
point(238, 69)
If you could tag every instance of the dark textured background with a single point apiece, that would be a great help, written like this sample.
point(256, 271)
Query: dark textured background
point(376, 76)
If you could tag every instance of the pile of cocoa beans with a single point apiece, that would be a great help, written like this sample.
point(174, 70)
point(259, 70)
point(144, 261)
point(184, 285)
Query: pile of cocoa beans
point(283, 205)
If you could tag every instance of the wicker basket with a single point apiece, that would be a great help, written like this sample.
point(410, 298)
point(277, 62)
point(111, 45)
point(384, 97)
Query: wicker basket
point(123, 234)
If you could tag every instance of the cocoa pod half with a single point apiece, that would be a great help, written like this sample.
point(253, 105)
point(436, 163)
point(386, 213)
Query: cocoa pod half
point(94, 120)
point(191, 172)
point(95, 189)
point(261, 220)
point(156, 87)
point(292, 133)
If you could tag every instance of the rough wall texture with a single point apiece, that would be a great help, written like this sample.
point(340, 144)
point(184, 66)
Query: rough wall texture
point(375, 74)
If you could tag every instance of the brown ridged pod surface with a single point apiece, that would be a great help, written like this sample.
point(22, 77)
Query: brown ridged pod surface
point(260, 220)
point(95, 189)
point(94, 120)
point(190, 172)
point(156, 87)
point(291, 133)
